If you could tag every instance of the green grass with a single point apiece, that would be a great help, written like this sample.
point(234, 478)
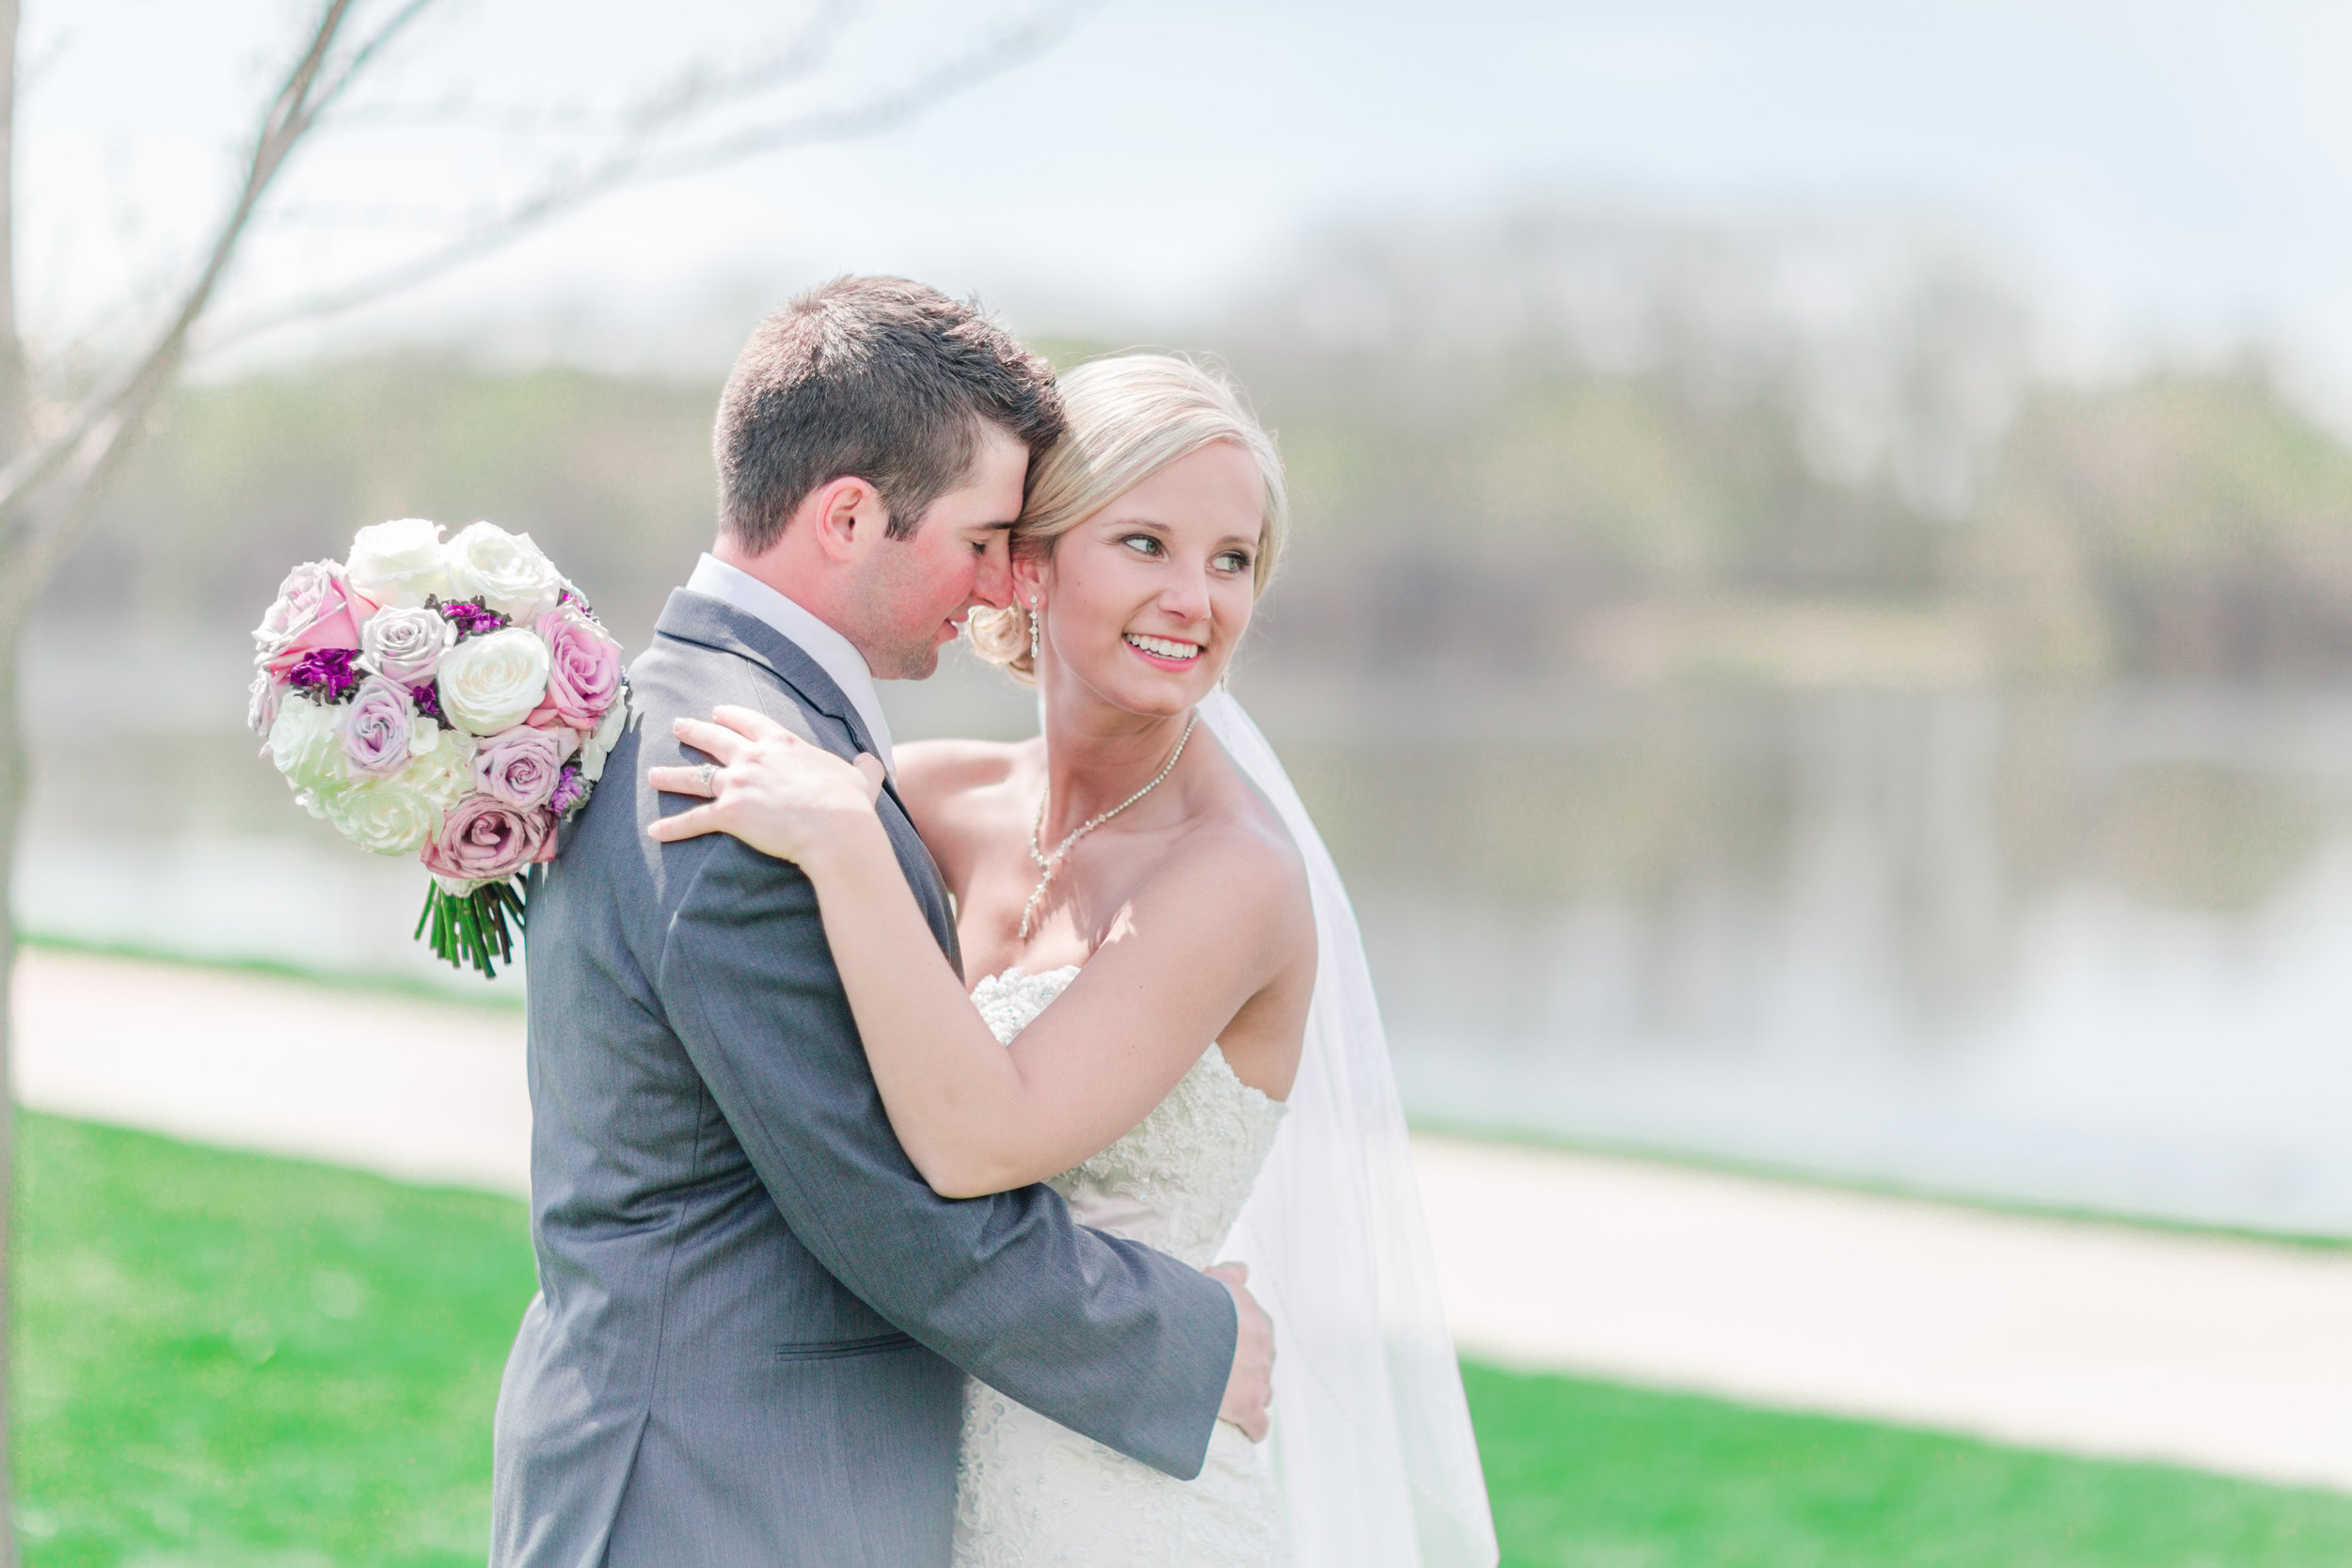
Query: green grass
point(1591, 1474)
point(229, 1360)
point(225, 1359)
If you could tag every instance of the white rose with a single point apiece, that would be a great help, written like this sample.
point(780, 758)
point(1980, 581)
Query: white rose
point(306, 742)
point(384, 816)
point(405, 645)
point(506, 571)
point(398, 563)
point(596, 748)
point(441, 769)
point(490, 682)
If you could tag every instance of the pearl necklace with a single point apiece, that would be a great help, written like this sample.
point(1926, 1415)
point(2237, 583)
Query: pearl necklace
point(1048, 865)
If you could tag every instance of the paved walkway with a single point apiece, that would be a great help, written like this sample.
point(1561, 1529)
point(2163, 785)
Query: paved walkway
point(2232, 1355)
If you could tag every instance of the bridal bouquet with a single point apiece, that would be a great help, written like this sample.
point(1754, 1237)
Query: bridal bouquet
point(450, 700)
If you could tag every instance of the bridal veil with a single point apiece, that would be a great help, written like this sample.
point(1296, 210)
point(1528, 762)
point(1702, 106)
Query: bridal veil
point(1372, 1438)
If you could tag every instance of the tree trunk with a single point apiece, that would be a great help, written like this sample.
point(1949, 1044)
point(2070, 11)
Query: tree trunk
point(16, 604)
point(13, 772)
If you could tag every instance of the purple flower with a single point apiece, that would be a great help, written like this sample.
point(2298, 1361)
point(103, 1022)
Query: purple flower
point(376, 733)
point(470, 616)
point(326, 674)
point(428, 700)
point(570, 790)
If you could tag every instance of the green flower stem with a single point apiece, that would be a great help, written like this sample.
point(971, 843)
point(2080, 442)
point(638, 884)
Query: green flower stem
point(475, 929)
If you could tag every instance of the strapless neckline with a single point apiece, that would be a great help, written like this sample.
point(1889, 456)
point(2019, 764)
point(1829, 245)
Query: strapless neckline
point(1013, 991)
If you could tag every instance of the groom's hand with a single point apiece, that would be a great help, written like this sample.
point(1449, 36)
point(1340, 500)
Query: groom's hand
point(1250, 1389)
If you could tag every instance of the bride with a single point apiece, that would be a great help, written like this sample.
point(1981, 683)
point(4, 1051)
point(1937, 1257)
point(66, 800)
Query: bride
point(1174, 1025)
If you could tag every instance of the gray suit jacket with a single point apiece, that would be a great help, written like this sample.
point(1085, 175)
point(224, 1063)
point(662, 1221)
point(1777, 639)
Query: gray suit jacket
point(752, 1312)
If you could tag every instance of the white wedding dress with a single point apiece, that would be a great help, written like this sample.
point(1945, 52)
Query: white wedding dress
point(1033, 1494)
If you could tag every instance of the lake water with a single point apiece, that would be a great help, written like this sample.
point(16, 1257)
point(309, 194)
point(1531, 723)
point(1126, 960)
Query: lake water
point(2088, 948)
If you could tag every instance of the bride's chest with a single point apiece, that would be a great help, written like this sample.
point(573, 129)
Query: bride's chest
point(1079, 912)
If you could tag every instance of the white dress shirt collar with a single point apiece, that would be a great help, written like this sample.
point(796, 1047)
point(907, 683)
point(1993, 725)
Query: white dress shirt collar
point(834, 653)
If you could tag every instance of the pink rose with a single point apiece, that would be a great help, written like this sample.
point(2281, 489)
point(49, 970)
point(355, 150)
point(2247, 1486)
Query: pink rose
point(302, 598)
point(314, 609)
point(583, 668)
point(482, 840)
point(520, 766)
point(378, 728)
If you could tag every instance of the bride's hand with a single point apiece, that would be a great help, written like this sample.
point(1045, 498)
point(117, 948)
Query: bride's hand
point(766, 785)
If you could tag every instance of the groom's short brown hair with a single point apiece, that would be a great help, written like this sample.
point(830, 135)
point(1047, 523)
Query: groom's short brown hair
point(877, 377)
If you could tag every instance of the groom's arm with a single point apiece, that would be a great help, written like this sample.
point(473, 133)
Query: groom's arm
point(1109, 1338)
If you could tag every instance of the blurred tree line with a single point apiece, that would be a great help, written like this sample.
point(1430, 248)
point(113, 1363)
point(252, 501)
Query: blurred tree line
point(1562, 442)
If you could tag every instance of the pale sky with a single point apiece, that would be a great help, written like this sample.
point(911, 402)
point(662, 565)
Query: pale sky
point(2155, 171)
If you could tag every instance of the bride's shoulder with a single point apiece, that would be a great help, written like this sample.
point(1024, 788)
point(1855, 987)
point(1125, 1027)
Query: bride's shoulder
point(1237, 843)
point(944, 780)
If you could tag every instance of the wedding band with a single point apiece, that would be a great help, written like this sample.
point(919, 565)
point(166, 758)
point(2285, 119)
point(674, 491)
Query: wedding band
point(704, 774)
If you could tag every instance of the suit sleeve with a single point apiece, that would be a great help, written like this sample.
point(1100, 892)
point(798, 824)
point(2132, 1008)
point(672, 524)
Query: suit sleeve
point(1109, 1337)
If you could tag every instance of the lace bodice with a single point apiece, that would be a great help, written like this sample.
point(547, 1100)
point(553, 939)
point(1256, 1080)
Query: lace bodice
point(1030, 1494)
point(1178, 1179)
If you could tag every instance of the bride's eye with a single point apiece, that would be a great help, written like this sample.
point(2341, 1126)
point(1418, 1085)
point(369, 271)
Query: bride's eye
point(1235, 561)
point(1142, 544)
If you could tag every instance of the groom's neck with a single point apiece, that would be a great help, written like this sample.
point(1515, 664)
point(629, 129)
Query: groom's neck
point(806, 576)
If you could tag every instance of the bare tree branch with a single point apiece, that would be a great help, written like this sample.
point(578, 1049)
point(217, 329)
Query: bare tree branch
point(699, 89)
point(362, 56)
point(638, 163)
point(94, 439)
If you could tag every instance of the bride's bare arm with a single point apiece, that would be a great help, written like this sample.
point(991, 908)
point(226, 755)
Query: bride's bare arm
point(1208, 931)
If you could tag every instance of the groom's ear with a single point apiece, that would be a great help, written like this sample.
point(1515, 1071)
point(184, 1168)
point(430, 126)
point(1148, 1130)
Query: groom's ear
point(846, 516)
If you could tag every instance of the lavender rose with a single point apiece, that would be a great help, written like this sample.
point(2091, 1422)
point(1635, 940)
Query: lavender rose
point(485, 840)
point(405, 645)
point(377, 732)
point(518, 766)
point(583, 668)
point(492, 682)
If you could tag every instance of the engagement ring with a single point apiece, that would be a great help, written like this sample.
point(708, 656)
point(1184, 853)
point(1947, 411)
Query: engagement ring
point(703, 776)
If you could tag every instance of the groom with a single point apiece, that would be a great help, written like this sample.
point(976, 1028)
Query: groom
point(753, 1318)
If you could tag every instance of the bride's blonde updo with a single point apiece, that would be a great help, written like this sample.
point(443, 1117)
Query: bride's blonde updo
point(1129, 417)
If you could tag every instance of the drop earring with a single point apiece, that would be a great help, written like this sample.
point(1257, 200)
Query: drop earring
point(1035, 640)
